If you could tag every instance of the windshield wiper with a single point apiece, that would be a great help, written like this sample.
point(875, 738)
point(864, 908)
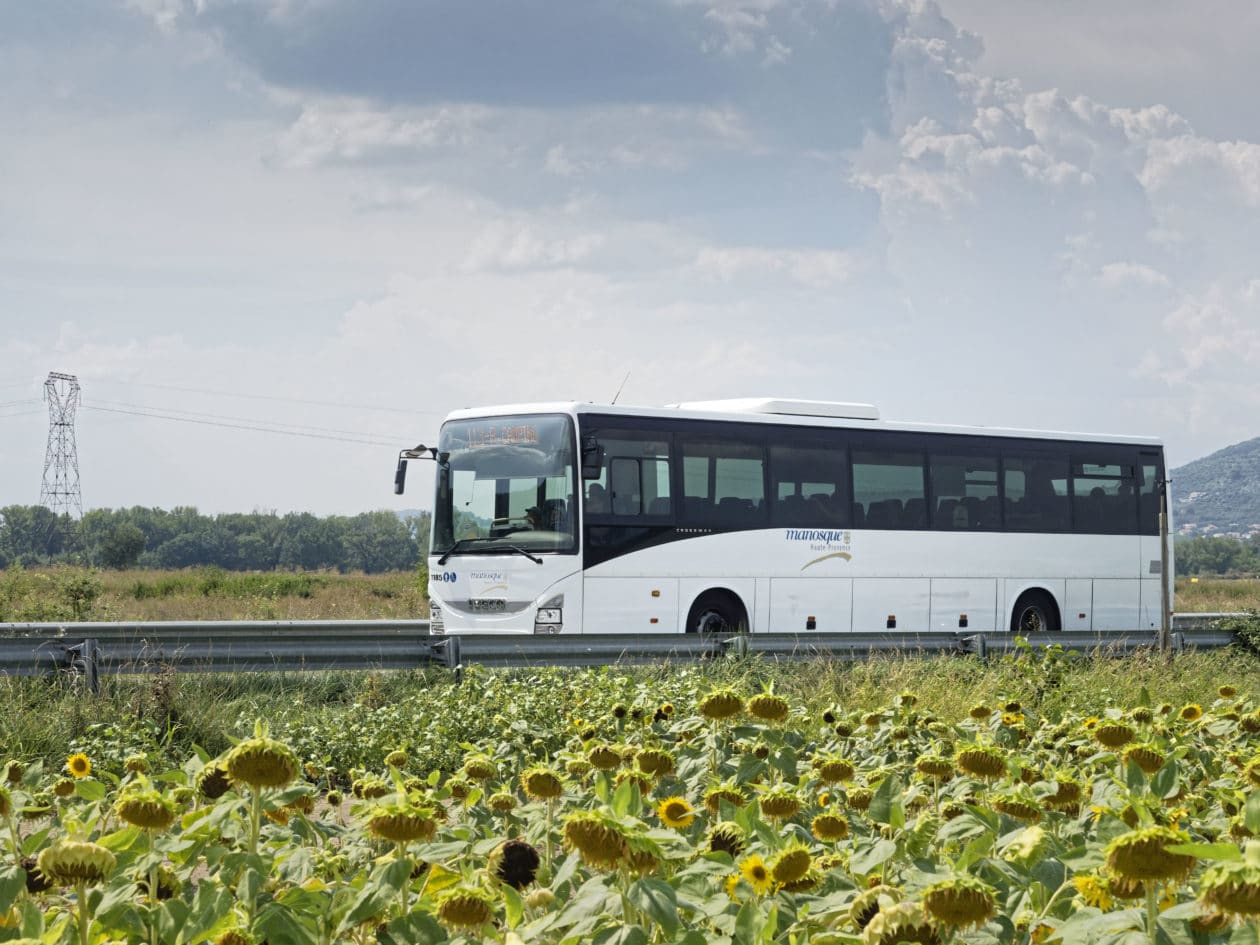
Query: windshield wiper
point(516, 549)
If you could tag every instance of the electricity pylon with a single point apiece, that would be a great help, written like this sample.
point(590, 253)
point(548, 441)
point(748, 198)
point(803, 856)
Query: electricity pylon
point(60, 491)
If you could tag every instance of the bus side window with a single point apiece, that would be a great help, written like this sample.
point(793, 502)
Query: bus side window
point(627, 496)
point(1036, 493)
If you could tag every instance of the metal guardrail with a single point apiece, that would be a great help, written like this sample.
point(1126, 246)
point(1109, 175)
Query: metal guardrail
point(93, 649)
point(191, 646)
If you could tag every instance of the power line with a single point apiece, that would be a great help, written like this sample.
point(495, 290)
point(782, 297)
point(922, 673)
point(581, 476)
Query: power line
point(250, 420)
point(238, 426)
point(292, 400)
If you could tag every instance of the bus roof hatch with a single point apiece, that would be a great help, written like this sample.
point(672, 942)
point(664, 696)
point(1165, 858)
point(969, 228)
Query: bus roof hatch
point(790, 408)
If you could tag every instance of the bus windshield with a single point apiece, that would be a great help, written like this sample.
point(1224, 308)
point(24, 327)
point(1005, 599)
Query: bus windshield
point(505, 485)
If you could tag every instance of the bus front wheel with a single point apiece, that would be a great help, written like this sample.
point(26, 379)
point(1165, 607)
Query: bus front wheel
point(717, 612)
point(1035, 612)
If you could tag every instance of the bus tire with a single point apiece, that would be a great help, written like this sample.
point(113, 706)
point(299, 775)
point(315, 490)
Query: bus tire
point(1035, 612)
point(717, 612)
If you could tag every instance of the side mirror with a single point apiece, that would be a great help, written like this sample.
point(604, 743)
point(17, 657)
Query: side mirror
point(592, 458)
point(400, 475)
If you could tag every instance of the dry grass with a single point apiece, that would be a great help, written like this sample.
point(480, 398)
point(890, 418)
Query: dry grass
point(206, 594)
point(1217, 595)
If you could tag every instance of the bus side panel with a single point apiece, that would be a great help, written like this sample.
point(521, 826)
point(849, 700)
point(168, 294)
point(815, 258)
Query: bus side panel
point(630, 605)
point(1116, 604)
point(1078, 609)
point(953, 598)
point(1152, 596)
point(877, 599)
point(793, 601)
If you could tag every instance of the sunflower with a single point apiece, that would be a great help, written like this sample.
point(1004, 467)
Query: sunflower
point(1142, 855)
point(1093, 891)
point(514, 862)
point(1191, 713)
point(465, 908)
point(754, 870)
point(1226, 691)
point(960, 902)
point(675, 812)
point(79, 765)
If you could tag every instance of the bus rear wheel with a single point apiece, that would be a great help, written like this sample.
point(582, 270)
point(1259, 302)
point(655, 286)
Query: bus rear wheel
point(1035, 612)
point(717, 612)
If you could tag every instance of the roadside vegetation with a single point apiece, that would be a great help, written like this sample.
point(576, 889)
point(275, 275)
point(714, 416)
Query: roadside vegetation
point(1043, 798)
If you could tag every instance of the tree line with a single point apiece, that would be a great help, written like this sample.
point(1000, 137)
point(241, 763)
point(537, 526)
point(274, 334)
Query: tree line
point(182, 538)
point(1224, 556)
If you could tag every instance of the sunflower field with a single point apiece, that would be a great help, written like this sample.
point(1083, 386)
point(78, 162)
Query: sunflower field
point(737, 815)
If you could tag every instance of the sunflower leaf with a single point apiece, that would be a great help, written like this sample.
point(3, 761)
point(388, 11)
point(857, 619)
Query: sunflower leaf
point(658, 901)
point(1251, 813)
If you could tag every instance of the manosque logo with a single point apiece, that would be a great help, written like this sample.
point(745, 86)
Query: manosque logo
point(832, 542)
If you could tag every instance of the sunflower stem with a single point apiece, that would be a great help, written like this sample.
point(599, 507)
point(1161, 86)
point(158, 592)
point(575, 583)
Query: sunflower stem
point(1152, 912)
point(85, 916)
point(255, 820)
point(402, 890)
point(551, 803)
point(13, 838)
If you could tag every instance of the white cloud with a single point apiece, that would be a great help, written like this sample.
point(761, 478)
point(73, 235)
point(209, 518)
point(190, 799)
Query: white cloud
point(1128, 273)
point(504, 245)
point(815, 268)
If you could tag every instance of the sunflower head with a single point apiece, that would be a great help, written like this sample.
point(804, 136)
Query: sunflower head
point(768, 708)
point(213, 781)
point(1234, 888)
point(934, 767)
point(262, 762)
point(604, 757)
point(501, 802)
point(465, 908)
point(870, 901)
point(480, 768)
point(675, 812)
point(1112, 734)
point(69, 862)
point(790, 863)
point(79, 765)
point(403, 822)
point(901, 922)
point(1191, 713)
point(396, 759)
point(981, 761)
point(1146, 756)
point(727, 791)
point(137, 764)
point(1141, 855)
point(721, 704)
point(755, 872)
point(514, 863)
point(143, 807)
point(830, 827)
point(726, 837)
point(960, 902)
point(63, 787)
point(833, 769)
point(599, 842)
point(655, 761)
point(780, 803)
point(541, 783)
point(1020, 805)
point(13, 771)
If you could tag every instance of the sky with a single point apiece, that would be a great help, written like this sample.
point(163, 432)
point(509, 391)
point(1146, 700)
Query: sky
point(276, 241)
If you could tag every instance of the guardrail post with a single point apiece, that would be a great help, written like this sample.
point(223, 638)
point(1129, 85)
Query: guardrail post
point(1178, 642)
point(83, 658)
point(736, 646)
point(453, 661)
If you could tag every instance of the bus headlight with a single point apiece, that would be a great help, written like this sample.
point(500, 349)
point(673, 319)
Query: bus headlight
point(436, 625)
point(550, 616)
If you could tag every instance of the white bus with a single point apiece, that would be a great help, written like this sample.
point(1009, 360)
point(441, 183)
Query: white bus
point(785, 516)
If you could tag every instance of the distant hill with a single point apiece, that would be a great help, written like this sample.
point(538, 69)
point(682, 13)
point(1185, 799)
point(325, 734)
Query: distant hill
point(1219, 493)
